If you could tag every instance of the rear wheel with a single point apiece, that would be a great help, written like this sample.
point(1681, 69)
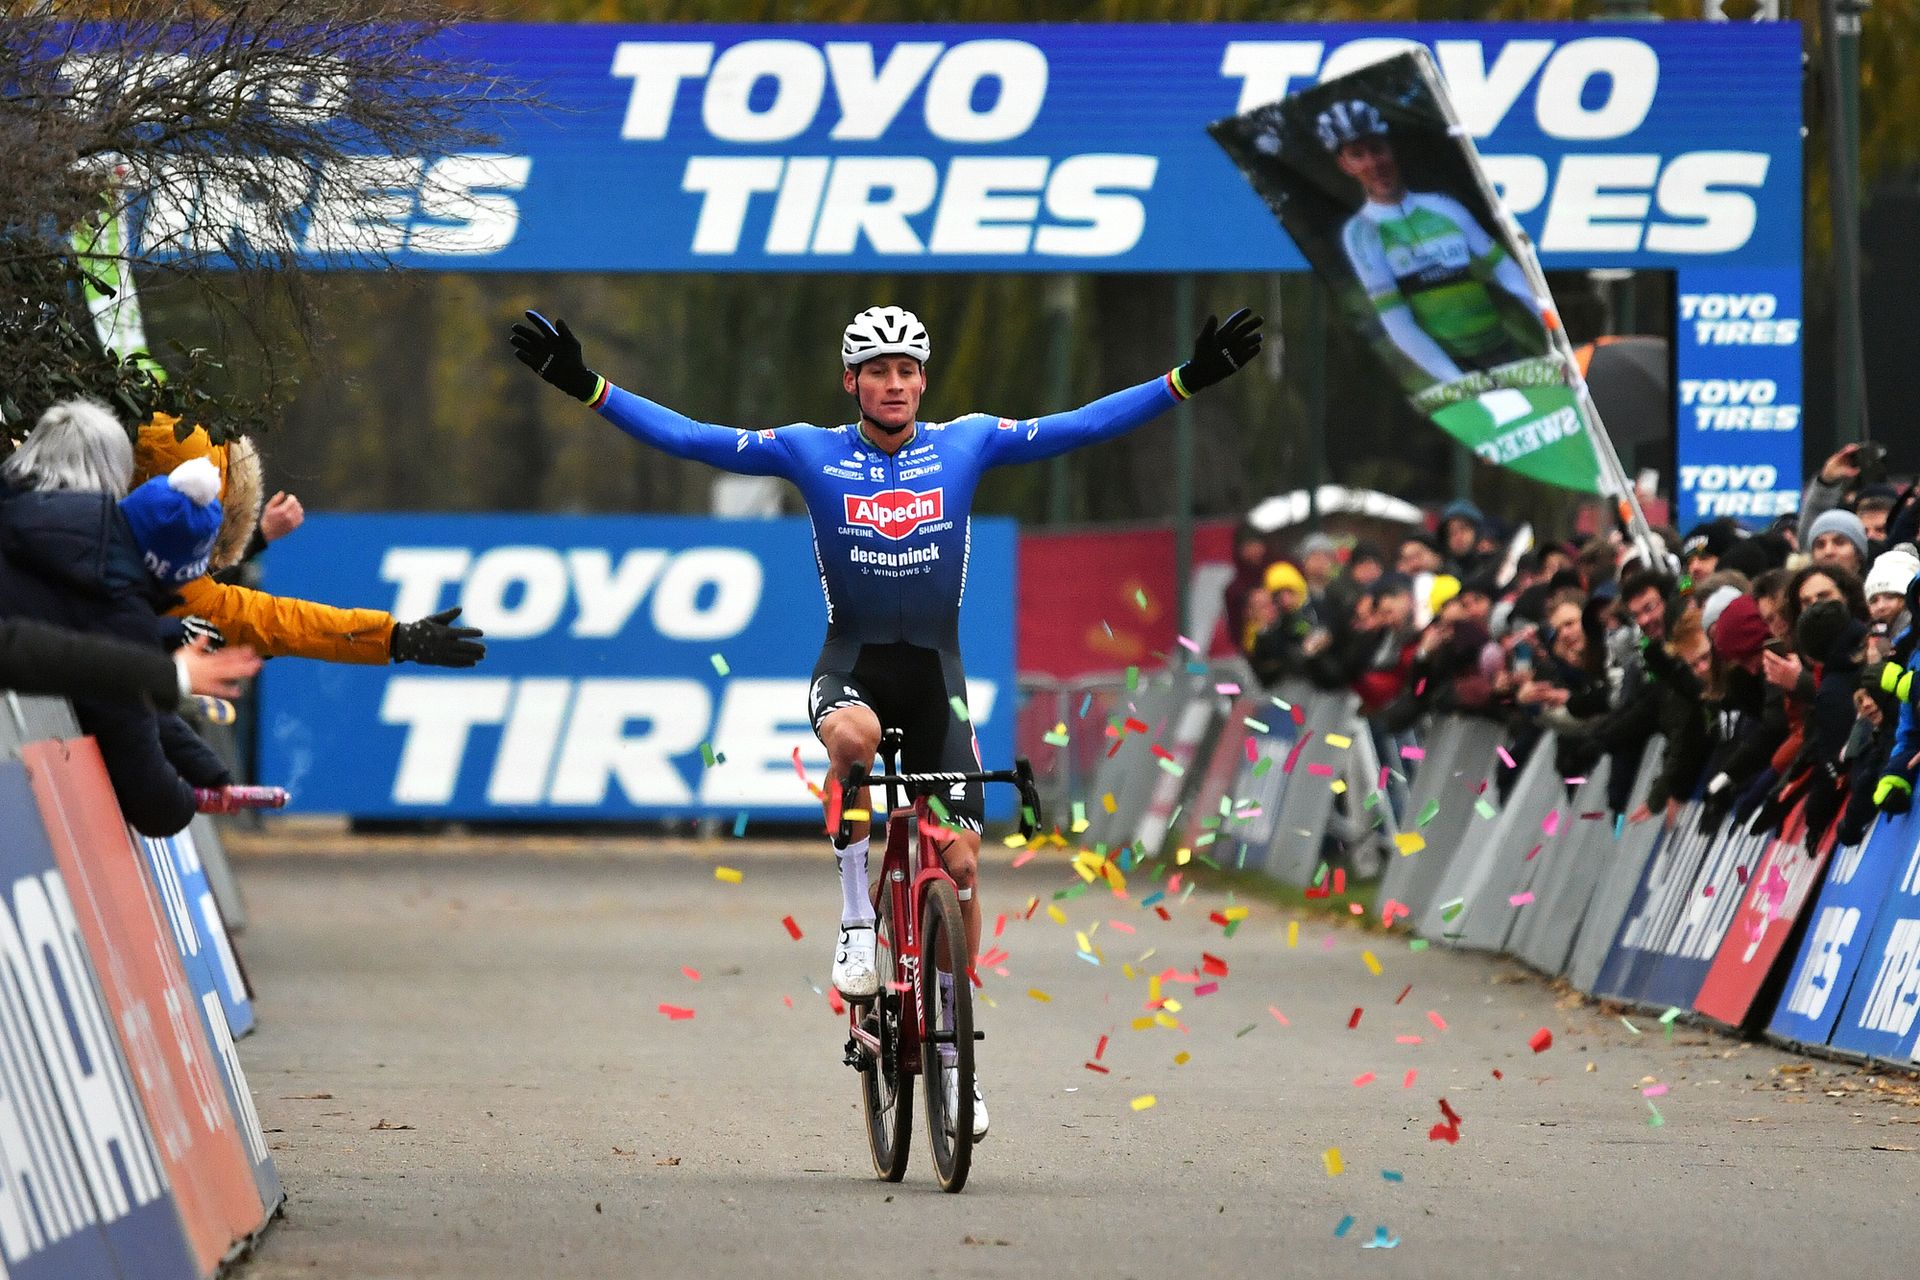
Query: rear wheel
point(886, 1089)
point(948, 1047)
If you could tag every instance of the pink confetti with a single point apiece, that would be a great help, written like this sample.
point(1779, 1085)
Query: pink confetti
point(1253, 749)
point(675, 1012)
point(1229, 689)
point(1551, 823)
point(1409, 1040)
point(1279, 1016)
point(1533, 853)
point(1362, 1080)
point(1382, 785)
point(1654, 1091)
point(1120, 925)
point(693, 974)
point(1576, 782)
point(1436, 1020)
point(1519, 899)
point(1022, 858)
point(1206, 988)
point(1187, 644)
point(1505, 759)
point(1320, 770)
point(1413, 753)
point(1408, 1082)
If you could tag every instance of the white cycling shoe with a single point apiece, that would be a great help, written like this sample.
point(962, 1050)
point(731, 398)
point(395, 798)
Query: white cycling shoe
point(952, 1077)
point(855, 974)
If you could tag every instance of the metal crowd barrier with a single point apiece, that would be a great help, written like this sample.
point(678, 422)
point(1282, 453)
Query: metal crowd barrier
point(1718, 925)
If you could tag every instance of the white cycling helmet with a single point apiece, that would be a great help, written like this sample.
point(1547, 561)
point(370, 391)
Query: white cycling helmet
point(1345, 122)
point(884, 331)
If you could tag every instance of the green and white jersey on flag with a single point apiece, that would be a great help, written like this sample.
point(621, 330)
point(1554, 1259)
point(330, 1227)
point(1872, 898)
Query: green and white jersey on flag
point(101, 247)
point(1428, 253)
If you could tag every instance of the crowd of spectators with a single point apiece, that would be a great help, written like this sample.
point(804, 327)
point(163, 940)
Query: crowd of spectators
point(1776, 666)
point(117, 554)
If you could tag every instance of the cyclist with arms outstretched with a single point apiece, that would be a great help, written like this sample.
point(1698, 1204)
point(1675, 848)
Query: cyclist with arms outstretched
point(890, 499)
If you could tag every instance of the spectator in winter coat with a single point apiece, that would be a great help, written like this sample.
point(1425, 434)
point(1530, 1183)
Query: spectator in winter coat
point(1752, 714)
point(1461, 524)
point(1839, 542)
point(38, 658)
point(73, 558)
point(280, 626)
point(1681, 671)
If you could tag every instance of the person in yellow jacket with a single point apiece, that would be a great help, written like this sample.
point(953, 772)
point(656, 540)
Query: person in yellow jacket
point(280, 626)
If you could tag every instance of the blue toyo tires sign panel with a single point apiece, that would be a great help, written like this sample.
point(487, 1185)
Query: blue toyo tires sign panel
point(622, 653)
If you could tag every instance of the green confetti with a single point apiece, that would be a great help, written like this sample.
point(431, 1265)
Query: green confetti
point(1450, 910)
point(1426, 814)
point(1172, 767)
point(939, 810)
point(1416, 944)
point(1206, 839)
point(1133, 679)
point(1667, 1020)
point(1258, 726)
point(1242, 1031)
point(706, 754)
point(1228, 932)
point(959, 705)
point(1484, 807)
point(1265, 763)
point(1079, 812)
point(1655, 1120)
point(1629, 1026)
point(1140, 598)
point(720, 665)
point(1054, 739)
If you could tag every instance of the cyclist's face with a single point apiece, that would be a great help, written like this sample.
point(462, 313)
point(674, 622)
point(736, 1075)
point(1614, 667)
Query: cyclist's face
point(1370, 162)
point(888, 389)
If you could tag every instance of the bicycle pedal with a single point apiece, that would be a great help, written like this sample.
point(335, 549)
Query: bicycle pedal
point(979, 1035)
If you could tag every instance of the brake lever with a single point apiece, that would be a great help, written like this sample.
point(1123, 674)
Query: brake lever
point(1030, 819)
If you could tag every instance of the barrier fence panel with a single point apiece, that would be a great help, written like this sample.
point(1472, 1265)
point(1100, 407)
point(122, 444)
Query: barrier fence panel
point(1293, 855)
point(1212, 813)
point(146, 988)
point(1657, 901)
point(1614, 859)
point(1263, 781)
point(1878, 1019)
point(1770, 911)
point(85, 1193)
point(1458, 763)
point(1125, 776)
point(1677, 962)
point(1513, 856)
point(1554, 878)
point(213, 856)
point(1858, 878)
point(1175, 776)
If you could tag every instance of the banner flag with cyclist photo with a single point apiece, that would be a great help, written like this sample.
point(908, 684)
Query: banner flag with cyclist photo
point(1376, 181)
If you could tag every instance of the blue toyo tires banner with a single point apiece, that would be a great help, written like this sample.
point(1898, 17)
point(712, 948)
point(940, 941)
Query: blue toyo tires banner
point(637, 667)
point(1842, 925)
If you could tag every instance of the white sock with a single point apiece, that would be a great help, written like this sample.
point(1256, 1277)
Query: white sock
point(855, 906)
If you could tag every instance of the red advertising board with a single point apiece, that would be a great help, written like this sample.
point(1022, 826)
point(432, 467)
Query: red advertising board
point(1779, 890)
point(1082, 594)
point(148, 993)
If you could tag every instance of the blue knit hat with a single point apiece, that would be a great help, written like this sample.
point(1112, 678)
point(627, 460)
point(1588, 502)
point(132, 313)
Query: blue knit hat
point(175, 519)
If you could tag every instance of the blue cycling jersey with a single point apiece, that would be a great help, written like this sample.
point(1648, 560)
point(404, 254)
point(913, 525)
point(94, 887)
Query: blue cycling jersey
point(890, 532)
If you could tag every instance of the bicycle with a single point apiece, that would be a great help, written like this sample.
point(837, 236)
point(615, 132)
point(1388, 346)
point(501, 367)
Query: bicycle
point(920, 933)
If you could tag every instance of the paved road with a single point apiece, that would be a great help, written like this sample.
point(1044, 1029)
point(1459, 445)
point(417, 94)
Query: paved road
point(464, 1073)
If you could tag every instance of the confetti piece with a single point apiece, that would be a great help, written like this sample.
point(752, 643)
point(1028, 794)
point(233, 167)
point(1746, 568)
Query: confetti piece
point(835, 1003)
point(727, 875)
point(1505, 759)
point(1519, 899)
point(706, 754)
point(1654, 1091)
point(1346, 1225)
point(1533, 853)
point(1039, 995)
point(1182, 1058)
point(792, 928)
point(1107, 802)
point(959, 705)
point(1142, 1102)
point(1540, 1041)
point(1448, 1130)
point(1242, 1031)
point(1381, 1240)
point(1278, 1016)
point(1413, 753)
point(740, 824)
point(1094, 1066)
point(1339, 741)
point(1417, 944)
point(1485, 809)
point(1133, 679)
point(1427, 813)
point(1354, 1021)
point(1404, 993)
point(1449, 910)
point(1206, 988)
point(719, 664)
point(1629, 1026)
point(1362, 1080)
point(693, 974)
point(1655, 1120)
point(1408, 1082)
point(1393, 1175)
point(1410, 842)
point(1373, 965)
point(1434, 1017)
point(1667, 1019)
point(1230, 690)
point(1055, 914)
point(1293, 933)
point(1331, 1158)
point(1550, 823)
point(675, 1013)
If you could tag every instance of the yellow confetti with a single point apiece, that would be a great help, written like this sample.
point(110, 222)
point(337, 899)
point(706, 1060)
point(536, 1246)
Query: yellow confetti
point(1106, 802)
point(1331, 1158)
point(1170, 1005)
point(856, 815)
point(1127, 971)
point(1055, 914)
point(1340, 740)
point(1015, 841)
point(1410, 842)
point(1373, 964)
point(1339, 786)
point(1040, 995)
point(1144, 1101)
point(727, 874)
point(1182, 1058)
point(1235, 913)
point(1081, 938)
point(1086, 872)
point(1293, 933)
point(1142, 1023)
point(985, 999)
point(1182, 856)
point(1153, 987)
point(1167, 1020)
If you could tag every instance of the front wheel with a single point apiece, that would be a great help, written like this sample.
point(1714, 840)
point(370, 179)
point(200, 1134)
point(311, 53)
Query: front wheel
point(886, 1088)
point(948, 1045)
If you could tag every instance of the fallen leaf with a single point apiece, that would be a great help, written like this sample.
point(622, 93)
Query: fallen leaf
point(384, 1125)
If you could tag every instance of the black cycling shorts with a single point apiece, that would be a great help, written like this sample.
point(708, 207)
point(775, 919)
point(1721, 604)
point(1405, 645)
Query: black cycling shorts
point(910, 689)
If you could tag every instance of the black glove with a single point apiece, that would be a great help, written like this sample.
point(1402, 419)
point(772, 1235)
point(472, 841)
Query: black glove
point(432, 642)
point(1220, 350)
point(554, 353)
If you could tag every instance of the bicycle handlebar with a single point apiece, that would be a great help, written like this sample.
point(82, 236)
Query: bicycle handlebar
point(1021, 776)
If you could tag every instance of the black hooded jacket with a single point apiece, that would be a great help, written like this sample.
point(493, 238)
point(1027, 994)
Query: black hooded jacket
point(70, 559)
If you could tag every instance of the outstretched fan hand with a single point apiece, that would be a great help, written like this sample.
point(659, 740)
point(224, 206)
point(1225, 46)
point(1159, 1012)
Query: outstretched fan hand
point(1222, 350)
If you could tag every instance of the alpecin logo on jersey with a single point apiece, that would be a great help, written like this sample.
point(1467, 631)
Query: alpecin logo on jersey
point(895, 513)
